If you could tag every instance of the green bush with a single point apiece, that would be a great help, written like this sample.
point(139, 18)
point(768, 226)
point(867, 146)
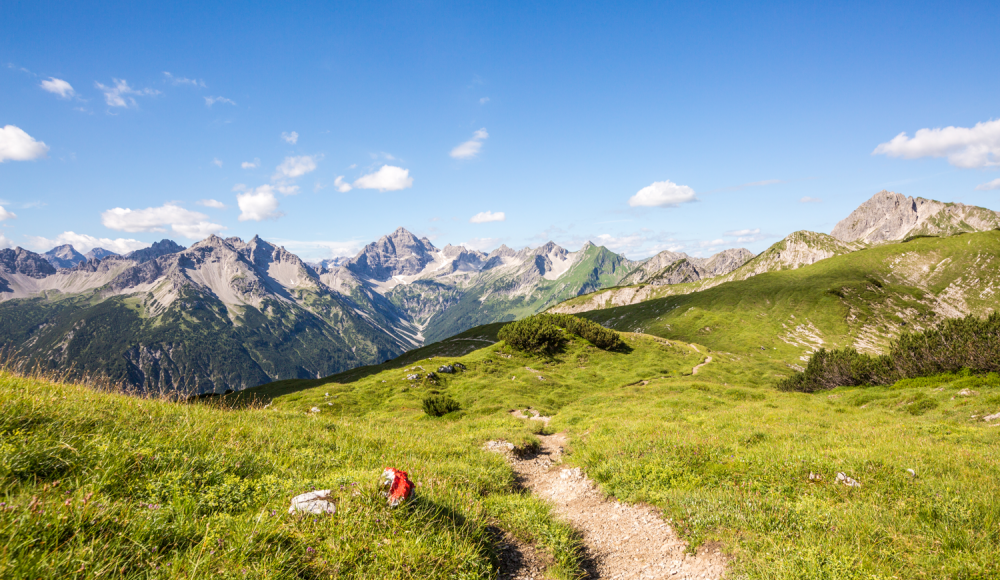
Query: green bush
point(439, 405)
point(533, 334)
point(962, 343)
point(544, 333)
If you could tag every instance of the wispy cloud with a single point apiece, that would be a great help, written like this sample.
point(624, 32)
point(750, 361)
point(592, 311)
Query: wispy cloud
point(966, 147)
point(58, 87)
point(472, 147)
point(297, 166)
point(808, 199)
point(341, 185)
point(989, 185)
point(484, 100)
point(292, 137)
point(211, 203)
point(488, 216)
point(209, 101)
point(121, 95)
point(250, 164)
point(217, 162)
point(183, 81)
point(6, 215)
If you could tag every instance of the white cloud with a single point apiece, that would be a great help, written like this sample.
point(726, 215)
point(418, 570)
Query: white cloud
point(83, 243)
point(484, 100)
point(211, 203)
point(217, 162)
point(989, 185)
point(387, 178)
point(341, 185)
point(190, 224)
point(737, 233)
point(482, 244)
point(662, 194)
point(6, 215)
point(250, 164)
point(4, 242)
point(184, 81)
point(292, 137)
point(808, 199)
point(209, 101)
point(352, 166)
point(321, 249)
point(58, 87)
point(965, 147)
point(258, 204)
point(711, 243)
point(293, 167)
point(487, 216)
point(620, 243)
point(470, 148)
point(284, 189)
point(16, 145)
point(119, 95)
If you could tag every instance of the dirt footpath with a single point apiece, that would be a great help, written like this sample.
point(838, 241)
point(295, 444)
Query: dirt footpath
point(622, 541)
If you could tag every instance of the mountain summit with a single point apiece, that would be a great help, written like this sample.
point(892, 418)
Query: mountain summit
point(890, 216)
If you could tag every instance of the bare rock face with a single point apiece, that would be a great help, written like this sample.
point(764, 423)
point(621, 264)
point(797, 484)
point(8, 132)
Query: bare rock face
point(726, 261)
point(21, 261)
point(890, 216)
point(400, 253)
point(160, 248)
point(64, 256)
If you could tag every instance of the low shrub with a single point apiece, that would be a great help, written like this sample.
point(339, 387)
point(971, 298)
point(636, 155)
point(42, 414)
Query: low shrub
point(440, 405)
point(966, 343)
point(544, 333)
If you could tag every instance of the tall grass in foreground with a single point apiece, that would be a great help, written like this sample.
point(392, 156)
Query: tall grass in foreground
point(102, 485)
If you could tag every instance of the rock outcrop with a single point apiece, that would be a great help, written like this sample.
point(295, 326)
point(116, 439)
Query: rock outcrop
point(64, 256)
point(890, 216)
point(160, 248)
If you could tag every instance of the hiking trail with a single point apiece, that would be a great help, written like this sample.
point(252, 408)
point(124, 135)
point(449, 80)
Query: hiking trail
point(622, 541)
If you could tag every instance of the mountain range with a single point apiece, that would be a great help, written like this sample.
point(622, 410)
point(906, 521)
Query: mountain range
point(226, 314)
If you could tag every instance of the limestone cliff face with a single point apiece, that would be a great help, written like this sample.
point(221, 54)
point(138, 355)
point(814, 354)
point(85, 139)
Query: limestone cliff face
point(890, 216)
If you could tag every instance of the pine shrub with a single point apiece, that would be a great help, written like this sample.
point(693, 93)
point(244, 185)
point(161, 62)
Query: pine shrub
point(544, 333)
point(961, 343)
point(439, 405)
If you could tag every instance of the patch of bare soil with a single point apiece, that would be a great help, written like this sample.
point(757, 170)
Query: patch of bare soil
point(622, 541)
point(518, 560)
point(694, 371)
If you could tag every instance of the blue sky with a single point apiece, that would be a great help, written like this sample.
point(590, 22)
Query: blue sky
point(639, 126)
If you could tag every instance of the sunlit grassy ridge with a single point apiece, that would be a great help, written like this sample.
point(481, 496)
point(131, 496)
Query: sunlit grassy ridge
point(860, 299)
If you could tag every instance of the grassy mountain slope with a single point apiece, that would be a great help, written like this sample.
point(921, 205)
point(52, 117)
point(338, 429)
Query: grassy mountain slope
point(728, 459)
point(860, 299)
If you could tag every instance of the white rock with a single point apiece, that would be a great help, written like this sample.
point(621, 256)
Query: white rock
point(314, 502)
point(314, 410)
point(992, 417)
point(849, 482)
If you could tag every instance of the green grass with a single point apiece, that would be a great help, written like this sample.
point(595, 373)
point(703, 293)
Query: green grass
point(725, 456)
point(864, 299)
point(103, 485)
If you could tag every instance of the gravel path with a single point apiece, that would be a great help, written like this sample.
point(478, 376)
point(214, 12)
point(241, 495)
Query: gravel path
point(622, 541)
point(694, 371)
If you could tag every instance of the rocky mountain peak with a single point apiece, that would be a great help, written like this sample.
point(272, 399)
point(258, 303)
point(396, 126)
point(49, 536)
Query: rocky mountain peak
point(99, 254)
point(21, 261)
point(890, 216)
point(398, 254)
point(64, 256)
point(160, 248)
